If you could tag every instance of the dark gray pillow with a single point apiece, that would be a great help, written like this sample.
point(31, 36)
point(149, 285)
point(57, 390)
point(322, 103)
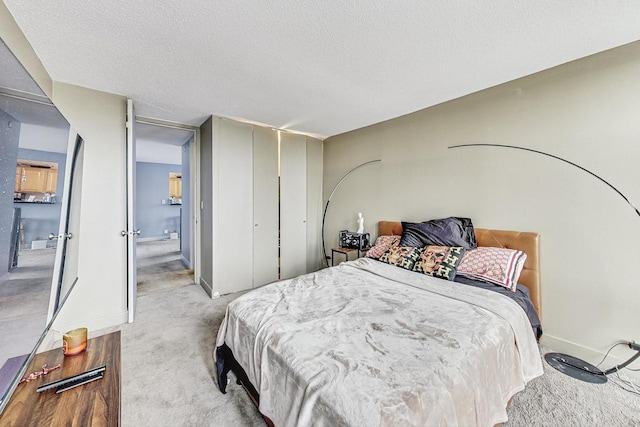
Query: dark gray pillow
point(452, 231)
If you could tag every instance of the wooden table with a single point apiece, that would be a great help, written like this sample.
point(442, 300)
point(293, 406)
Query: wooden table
point(94, 404)
point(345, 252)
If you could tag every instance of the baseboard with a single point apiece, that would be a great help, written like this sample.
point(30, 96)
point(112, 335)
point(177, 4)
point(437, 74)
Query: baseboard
point(185, 261)
point(54, 337)
point(152, 239)
point(208, 288)
point(593, 356)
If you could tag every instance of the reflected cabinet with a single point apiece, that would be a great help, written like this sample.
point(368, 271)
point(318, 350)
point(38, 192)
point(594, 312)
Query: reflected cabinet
point(35, 179)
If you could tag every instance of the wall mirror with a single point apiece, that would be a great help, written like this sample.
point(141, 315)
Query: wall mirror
point(36, 171)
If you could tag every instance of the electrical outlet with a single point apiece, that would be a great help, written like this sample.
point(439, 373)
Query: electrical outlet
point(164, 202)
point(165, 231)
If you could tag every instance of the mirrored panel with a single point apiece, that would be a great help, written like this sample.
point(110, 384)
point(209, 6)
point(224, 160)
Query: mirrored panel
point(34, 137)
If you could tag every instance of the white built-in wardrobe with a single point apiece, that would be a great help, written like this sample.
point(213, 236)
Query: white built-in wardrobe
point(249, 232)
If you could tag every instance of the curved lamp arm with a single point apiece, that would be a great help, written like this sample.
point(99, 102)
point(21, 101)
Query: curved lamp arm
point(324, 251)
point(557, 158)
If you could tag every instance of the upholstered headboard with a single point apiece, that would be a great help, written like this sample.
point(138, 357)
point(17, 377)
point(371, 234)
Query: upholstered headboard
point(527, 242)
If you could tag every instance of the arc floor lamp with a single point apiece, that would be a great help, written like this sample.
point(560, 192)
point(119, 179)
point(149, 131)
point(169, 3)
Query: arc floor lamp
point(326, 206)
point(569, 365)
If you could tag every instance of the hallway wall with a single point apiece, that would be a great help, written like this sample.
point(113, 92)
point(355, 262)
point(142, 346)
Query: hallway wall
point(152, 189)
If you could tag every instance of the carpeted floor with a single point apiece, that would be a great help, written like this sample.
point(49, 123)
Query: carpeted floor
point(25, 292)
point(24, 302)
point(168, 368)
point(159, 266)
point(168, 371)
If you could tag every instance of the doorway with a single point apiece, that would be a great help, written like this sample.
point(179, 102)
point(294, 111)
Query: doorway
point(163, 211)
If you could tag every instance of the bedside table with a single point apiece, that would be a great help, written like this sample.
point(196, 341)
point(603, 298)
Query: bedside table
point(346, 252)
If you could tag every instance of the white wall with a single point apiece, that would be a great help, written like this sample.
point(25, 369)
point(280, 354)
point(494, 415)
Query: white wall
point(156, 152)
point(43, 138)
point(585, 112)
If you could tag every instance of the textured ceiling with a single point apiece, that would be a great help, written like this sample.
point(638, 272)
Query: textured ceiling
point(321, 68)
point(22, 99)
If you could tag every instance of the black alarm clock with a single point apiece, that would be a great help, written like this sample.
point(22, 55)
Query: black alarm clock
point(350, 239)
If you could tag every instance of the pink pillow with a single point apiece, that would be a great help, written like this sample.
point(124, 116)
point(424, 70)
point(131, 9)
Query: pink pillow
point(382, 244)
point(494, 265)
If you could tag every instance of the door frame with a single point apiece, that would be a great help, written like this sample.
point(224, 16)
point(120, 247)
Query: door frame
point(130, 232)
point(194, 185)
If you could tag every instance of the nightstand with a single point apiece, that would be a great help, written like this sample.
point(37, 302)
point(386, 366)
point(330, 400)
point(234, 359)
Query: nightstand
point(346, 252)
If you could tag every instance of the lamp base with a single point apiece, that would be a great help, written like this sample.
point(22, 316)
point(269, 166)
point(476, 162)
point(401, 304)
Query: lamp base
point(576, 368)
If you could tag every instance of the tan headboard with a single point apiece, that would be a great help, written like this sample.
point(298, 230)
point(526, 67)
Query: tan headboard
point(527, 242)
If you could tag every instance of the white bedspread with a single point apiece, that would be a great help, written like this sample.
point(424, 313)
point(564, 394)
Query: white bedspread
point(368, 344)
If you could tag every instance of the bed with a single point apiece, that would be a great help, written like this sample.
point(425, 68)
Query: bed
point(367, 343)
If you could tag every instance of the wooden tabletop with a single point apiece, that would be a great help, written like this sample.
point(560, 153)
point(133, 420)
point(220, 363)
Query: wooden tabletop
point(96, 403)
point(344, 250)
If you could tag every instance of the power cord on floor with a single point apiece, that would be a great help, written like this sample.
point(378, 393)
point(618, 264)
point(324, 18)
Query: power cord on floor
point(622, 381)
point(609, 351)
point(625, 383)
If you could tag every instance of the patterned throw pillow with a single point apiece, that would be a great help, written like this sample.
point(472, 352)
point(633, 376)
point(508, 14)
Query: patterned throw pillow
point(382, 244)
point(500, 266)
point(439, 261)
point(401, 256)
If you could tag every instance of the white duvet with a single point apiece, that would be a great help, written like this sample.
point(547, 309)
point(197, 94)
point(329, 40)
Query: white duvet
point(368, 344)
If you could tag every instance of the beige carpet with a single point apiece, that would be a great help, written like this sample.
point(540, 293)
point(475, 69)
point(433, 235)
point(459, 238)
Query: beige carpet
point(168, 371)
point(24, 302)
point(159, 266)
point(168, 367)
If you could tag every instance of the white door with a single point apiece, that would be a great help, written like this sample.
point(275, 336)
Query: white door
point(314, 204)
point(293, 205)
point(131, 233)
point(233, 212)
point(65, 269)
point(265, 206)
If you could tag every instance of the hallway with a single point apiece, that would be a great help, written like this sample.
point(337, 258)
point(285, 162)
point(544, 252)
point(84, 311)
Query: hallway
point(160, 267)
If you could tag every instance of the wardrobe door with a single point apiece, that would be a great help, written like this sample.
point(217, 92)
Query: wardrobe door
point(265, 206)
point(293, 205)
point(233, 206)
point(314, 204)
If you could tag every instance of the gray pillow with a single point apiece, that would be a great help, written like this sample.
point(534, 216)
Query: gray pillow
point(452, 231)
